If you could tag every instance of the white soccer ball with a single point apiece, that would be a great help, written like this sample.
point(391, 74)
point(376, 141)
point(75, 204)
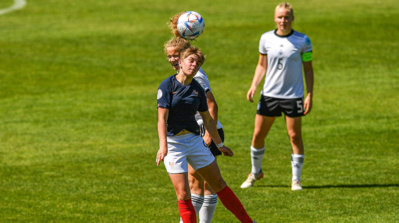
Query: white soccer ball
point(190, 25)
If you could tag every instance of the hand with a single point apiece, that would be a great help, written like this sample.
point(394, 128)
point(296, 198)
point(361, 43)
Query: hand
point(250, 94)
point(161, 155)
point(226, 151)
point(307, 105)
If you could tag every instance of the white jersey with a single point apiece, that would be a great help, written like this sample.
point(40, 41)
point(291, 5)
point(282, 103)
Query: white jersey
point(284, 77)
point(201, 78)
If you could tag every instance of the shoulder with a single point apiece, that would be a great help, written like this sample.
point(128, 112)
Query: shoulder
point(197, 86)
point(201, 77)
point(200, 74)
point(267, 34)
point(302, 36)
point(165, 84)
point(195, 83)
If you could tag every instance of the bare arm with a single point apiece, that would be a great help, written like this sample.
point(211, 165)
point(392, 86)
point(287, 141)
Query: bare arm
point(210, 126)
point(309, 79)
point(163, 114)
point(260, 72)
point(213, 111)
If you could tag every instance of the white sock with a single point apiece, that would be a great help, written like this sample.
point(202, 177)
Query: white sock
point(296, 163)
point(208, 208)
point(256, 159)
point(197, 201)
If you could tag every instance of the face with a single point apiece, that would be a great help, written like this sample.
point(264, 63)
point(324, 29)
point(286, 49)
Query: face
point(190, 65)
point(283, 19)
point(173, 57)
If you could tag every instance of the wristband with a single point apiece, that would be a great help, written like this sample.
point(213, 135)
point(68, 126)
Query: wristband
point(220, 145)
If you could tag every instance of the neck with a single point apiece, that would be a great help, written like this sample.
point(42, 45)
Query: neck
point(184, 79)
point(283, 33)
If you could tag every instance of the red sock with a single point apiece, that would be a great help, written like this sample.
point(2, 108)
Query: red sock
point(187, 211)
point(233, 204)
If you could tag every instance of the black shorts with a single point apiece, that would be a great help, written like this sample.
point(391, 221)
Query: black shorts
point(273, 107)
point(214, 149)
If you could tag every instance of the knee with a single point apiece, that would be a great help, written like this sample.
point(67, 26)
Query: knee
point(258, 140)
point(295, 138)
point(196, 185)
point(183, 195)
point(220, 185)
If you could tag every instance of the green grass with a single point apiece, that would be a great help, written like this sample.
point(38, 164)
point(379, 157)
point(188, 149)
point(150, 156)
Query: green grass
point(78, 136)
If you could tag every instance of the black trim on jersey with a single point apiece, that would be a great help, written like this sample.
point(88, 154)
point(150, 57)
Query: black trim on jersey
point(289, 34)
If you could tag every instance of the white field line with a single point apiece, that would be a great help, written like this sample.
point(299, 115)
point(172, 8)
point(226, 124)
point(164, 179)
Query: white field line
point(18, 4)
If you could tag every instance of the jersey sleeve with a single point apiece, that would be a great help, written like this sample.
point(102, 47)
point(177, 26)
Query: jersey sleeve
point(163, 95)
point(203, 81)
point(308, 45)
point(262, 44)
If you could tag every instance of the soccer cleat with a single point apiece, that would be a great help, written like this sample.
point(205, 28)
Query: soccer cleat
point(251, 179)
point(296, 185)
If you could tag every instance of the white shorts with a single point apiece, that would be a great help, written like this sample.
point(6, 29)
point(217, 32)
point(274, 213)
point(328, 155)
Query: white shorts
point(189, 148)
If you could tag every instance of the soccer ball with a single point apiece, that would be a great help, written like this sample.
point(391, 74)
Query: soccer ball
point(190, 25)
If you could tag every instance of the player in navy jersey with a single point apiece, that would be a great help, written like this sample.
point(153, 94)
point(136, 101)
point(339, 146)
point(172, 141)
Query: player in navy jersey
point(204, 198)
point(179, 97)
point(283, 53)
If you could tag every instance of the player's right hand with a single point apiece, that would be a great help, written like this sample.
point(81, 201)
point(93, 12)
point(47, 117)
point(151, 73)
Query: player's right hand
point(251, 93)
point(161, 155)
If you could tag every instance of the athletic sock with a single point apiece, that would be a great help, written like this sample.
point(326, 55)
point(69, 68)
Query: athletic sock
point(208, 208)
point(197, 201)
point(233, 204)
point(256, 159)
point(187, 211)
point(297, 163)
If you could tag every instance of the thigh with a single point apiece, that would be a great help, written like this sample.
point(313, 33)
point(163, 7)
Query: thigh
point(199, 155)
point(269, 106)
point(176, 159)
point(196, 182)
point(294, 126)
point(294, 129)
point(181, 186)
point(262, 128)
point(211, 174)
point(292, 107)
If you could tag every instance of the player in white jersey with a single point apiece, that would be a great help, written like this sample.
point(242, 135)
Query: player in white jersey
point(283, 53)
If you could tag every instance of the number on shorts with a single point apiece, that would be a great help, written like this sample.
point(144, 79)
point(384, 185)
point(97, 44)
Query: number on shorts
point(299, 106)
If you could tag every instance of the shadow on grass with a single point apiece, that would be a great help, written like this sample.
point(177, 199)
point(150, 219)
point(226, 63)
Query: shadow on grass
point(337, 186)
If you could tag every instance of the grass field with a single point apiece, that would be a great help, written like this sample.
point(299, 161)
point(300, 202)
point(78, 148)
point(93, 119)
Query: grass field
point(78, 138)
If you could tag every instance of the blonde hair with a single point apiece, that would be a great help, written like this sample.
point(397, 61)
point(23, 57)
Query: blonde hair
point(190, 51)
point(179, 43)
point(173, 24)
point(287, 6)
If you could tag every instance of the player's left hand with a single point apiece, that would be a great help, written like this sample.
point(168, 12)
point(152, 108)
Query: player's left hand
point(226, 151)
point(307, 105)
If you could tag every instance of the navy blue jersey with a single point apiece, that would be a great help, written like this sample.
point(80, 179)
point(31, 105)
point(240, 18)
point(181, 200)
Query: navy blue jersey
point(183, 102)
